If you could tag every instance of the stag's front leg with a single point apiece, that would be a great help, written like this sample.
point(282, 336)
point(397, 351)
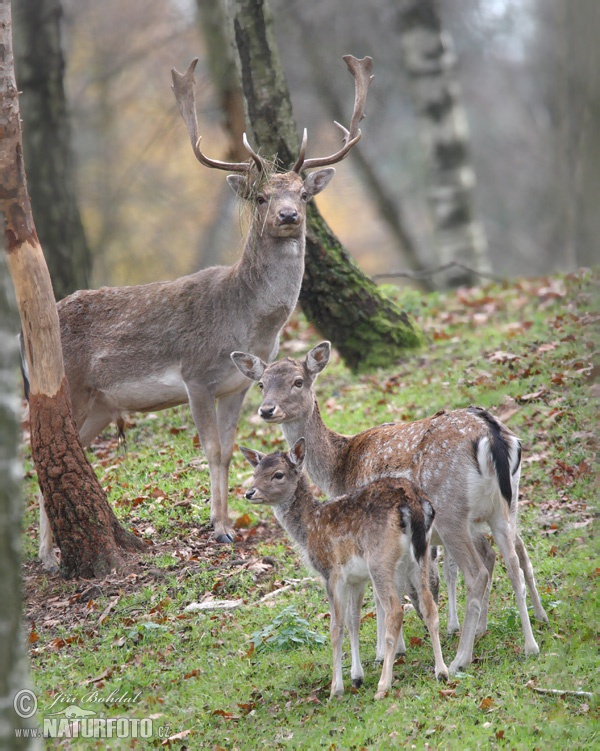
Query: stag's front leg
point(202, 404)
point(228, 414)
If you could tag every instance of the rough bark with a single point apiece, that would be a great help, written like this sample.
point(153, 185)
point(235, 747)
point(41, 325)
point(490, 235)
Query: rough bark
point(47, 143)
point(348, 308)
point(74, 500)
point(430, 62)
point(14, 672)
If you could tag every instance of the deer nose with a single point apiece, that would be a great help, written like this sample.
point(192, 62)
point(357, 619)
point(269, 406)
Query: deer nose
point(249, 494)
point(266, 410)
point(287, 216)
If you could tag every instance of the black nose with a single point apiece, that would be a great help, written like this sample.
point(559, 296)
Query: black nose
point(250, 493)
point(288, 216)
point(266, 410)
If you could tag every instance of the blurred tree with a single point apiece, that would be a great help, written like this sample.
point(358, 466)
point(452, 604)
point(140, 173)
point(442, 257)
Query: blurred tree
point(430, 61)
point(83, 524)
point(391, 211)
point(14, 671)
point(367, 329)
point(565, 57)
point(219, 237)
point(47, 143)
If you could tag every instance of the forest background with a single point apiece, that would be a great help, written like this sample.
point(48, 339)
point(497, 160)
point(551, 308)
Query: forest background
point(528, 72)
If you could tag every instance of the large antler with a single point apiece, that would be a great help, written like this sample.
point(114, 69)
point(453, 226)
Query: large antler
point(361, 71)
point(183, 88)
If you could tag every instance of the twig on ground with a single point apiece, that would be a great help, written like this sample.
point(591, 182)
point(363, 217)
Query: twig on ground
point(561, 692)
point(437, 269)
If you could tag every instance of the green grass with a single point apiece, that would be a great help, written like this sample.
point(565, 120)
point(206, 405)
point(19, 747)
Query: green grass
point(523, 350)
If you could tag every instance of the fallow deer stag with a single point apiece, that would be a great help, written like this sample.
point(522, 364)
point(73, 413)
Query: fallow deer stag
point(149, 347)
point(467, 463)
point(379, 532)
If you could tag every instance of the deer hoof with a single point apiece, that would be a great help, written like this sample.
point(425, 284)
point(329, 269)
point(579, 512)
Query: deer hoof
point(357, 682)
point(225, 539)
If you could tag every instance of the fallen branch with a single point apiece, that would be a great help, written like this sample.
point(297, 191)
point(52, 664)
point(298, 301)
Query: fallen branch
point(561, 692)
point(436, 270)
point(291, 585)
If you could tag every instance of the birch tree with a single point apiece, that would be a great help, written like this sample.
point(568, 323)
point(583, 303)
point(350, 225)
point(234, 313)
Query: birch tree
point(430, 62)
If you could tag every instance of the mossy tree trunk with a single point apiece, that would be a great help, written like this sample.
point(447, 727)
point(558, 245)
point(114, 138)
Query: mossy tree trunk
point(83, 524)
point(347, 307)
point(47, 143)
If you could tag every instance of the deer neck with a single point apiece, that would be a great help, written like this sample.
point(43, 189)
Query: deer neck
point(297, 514)
point(323, 449)
point(274, 265)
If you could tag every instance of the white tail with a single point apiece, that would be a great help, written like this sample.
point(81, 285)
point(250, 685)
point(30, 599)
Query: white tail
point(379, 533)
point(146, 348)
point(466, 461)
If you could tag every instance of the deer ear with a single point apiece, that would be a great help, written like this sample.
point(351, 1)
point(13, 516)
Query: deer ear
point(252, 456)
point(238, 184)
point(298, 453)
point(318, 181)
point(317, 358)
point(252, 367)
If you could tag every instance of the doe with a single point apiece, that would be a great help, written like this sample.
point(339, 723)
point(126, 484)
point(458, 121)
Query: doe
point(467, 462)
point(148, 347)
point(379, 533)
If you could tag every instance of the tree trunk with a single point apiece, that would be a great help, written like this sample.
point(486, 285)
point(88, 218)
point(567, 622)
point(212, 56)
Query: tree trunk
point(429, 59)
point(366, 328)
point(13, 659)
point(47, 143)
point(82, 522)
point(390, 212)
point(221, 235)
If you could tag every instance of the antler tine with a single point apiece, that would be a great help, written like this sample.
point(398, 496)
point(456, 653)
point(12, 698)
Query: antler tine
point(361, 71)
point(183, 88)
point(300, 161)
point(260, 165)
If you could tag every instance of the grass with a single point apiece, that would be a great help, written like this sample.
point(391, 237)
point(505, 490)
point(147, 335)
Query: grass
point(258, 676)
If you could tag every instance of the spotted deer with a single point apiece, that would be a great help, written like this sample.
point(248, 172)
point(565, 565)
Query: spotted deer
point(379, 532)
point(145, 348)
point(466, 461)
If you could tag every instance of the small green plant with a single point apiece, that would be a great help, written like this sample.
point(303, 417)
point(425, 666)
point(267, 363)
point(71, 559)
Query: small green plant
point(286, 631)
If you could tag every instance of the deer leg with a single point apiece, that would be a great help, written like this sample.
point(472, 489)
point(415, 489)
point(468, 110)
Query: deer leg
point(228, 413)
point(464, 553)
point(504, 538)
point(430, 616)
point(336, 629)
point(538, 608)
point(451, 576)
point(46, 552)
point(394, 614)
point(488, 556)
point(355, 598)
point(380, 615)
point(202, 404)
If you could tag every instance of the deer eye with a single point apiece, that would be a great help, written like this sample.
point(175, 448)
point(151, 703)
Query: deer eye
point(261, 200)
point(261, 385)
point(305, 196)
point(298, 383)
point(278, 476)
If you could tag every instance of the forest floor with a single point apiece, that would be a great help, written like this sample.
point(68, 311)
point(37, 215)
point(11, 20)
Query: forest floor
point(248, 666)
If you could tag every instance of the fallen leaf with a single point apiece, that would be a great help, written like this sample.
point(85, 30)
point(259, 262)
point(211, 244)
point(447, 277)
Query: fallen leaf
point(486, 704)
